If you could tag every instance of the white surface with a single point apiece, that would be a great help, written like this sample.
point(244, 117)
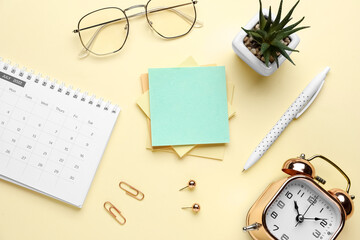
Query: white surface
point(51, 141)
point(241, 50)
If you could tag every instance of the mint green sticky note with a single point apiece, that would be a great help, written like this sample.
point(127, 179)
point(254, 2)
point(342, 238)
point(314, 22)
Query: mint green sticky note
point(188, 106)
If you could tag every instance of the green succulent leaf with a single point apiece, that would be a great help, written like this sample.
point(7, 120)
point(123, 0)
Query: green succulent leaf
point(262, 19)
point(284, 53)
point(273, 54)
point(278, 15)
point(293, 25)
point(284, 34)
point(264, 48)
point(271, 36)
point(254, 34)
point(268, 22)
point(286, 19)
point(267, 57)
point(263, 33)
point(280, 45)
point(247, 31)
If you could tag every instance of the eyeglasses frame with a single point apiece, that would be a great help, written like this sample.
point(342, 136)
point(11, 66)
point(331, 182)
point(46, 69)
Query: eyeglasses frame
point(146, 12)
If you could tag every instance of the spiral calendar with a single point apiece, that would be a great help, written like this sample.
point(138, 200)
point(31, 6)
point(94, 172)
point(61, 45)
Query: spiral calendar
point(52, 137)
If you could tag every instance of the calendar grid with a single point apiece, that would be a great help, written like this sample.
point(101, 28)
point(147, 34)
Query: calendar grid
point(9, 117)
point(37, 141)
point(69, 152)
point(27, 162)
point(52, 137)
point(1, 128)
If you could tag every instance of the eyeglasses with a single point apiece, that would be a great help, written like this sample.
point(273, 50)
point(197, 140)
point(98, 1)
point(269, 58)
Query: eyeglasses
point(105, 31)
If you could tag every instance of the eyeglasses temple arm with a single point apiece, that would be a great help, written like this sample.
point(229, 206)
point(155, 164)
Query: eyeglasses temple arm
point(198, 23)
point(84, 51)
point(97, 25)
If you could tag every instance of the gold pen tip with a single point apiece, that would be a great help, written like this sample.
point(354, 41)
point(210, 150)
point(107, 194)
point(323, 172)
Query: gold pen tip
point(243, 170)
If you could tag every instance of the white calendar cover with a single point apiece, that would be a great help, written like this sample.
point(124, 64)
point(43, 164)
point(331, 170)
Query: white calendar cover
point(52, 138)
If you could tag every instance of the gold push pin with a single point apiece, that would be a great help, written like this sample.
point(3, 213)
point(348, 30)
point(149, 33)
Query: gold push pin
point(191, 185)
point(195, 207)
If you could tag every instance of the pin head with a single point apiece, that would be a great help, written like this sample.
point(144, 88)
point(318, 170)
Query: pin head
point(195, 207)
point(192, 184)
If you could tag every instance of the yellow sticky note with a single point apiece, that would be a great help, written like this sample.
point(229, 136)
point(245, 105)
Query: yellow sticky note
point(189, 62)
point(214, 151)
point(144, 103)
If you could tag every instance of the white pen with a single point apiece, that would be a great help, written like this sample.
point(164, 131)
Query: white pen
point(298, 107)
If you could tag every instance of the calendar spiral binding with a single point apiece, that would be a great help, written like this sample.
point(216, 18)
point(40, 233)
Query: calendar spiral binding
point(54, 85)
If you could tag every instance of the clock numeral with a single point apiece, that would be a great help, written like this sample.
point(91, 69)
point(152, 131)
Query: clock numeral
point(274, 215)
point(281, 204)
point(276, 227)
point(284, 237)
point(323, 223)
point(300, 192)
point(289, 195)
point(312, 200)
point(317, 233)
point(321, 210)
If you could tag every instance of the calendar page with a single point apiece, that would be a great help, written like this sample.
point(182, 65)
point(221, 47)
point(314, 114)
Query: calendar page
point(52, 138)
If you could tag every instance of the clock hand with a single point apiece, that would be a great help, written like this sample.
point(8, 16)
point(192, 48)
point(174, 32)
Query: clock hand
point(296, 207)
point(312, 203)
point(315, 218)
point(300, 217)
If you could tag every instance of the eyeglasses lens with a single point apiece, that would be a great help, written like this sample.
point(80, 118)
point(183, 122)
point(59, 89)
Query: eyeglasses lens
point(104, 31)
point(171, 18)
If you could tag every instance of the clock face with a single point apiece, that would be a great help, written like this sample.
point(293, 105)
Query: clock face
point(302, 211)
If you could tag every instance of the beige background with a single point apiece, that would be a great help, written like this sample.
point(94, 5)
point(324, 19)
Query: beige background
point(38, 35)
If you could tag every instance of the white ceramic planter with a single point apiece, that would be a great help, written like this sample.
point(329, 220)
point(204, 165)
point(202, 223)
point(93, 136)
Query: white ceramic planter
point(244, 53)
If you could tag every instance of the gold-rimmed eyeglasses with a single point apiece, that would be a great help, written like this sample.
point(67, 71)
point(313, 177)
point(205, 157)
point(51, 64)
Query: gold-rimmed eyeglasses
point(105, 31)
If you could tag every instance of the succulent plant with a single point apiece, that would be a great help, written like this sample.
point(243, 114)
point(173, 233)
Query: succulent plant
point(270, 34)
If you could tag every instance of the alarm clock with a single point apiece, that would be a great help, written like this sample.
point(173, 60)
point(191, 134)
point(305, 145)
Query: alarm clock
point(297, 207)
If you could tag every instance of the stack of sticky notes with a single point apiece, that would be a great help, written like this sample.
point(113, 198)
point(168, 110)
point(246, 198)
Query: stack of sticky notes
point(189, 107)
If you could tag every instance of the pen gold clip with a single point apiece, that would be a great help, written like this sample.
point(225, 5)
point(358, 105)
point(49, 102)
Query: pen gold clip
point(109, 207)
point(138, 195)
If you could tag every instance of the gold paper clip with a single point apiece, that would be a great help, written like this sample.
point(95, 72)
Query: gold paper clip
point(115, 216)
point(137, 194)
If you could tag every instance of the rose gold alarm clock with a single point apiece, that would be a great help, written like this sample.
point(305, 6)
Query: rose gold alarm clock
point(297, 207)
